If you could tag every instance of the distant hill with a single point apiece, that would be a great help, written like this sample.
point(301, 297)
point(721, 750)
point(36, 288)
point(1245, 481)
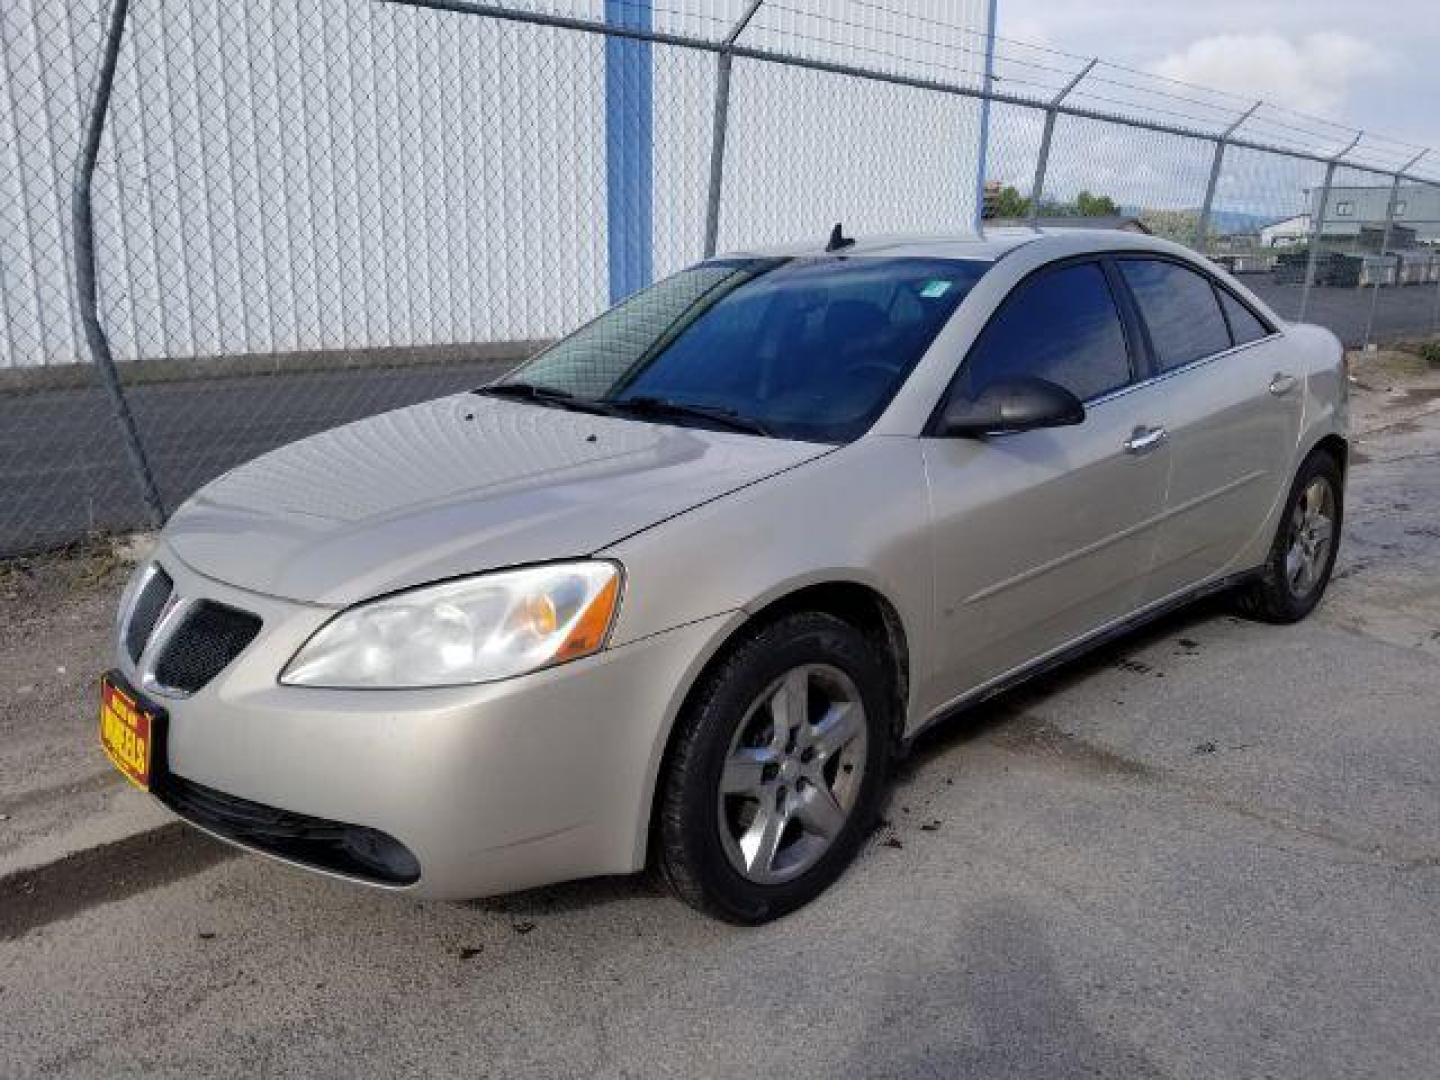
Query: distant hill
point(1237, 221)
point(1222, 222)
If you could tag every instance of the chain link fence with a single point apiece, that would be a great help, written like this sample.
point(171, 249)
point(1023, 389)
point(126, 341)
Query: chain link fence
point(305, 212)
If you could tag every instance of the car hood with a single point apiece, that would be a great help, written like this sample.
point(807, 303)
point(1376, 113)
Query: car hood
point(450, 487)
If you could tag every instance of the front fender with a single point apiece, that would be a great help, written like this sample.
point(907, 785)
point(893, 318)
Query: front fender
point(858, 515)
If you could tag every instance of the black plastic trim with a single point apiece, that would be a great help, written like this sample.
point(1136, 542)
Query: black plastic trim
point(145, 611)
point(348, 850)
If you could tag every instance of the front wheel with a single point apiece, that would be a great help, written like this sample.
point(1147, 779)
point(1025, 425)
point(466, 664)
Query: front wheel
point(1297, 571)
point(778, 766)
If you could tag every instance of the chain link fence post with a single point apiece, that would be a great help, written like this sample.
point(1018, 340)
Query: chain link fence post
point(1379, 271)
point(1042, 159)
point(1202, 223)
point(86, 289)
point(724, 62)
point(1435, 311)
point(1317, 224)
point(1385, 247)
point(988, 85)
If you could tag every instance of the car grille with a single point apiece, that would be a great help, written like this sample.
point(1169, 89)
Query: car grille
point(183, 657)
point(209, 636)
point(146, 612)
point(353, 850)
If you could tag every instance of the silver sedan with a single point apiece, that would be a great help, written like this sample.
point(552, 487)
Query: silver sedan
point(674, 592)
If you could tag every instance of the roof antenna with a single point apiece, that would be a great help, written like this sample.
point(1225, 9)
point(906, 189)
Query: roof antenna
point(838, 240)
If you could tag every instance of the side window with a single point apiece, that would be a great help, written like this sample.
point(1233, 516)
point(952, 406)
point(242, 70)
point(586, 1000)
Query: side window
point(1180, 311)
point(1062, 326)
point(1244, 326)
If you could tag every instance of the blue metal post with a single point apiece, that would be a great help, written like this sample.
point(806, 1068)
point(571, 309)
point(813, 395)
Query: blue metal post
point(629, 149)
point(984, 151)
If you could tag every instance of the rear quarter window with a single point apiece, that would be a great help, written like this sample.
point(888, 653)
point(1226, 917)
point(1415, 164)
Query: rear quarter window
point(1180, 311)
point(1245, 325)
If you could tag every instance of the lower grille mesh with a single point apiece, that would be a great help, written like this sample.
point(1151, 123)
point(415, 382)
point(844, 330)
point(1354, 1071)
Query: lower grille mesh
point(352, 850)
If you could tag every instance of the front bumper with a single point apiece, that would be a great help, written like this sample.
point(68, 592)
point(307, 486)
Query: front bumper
point(490, 788)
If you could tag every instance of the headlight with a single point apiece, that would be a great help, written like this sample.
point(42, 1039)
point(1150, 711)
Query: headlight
point(479, 629)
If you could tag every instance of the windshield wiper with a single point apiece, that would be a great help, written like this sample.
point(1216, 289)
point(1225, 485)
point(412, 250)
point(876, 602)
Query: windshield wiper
point(657, 408)
point(643, 406)
point(544, 395)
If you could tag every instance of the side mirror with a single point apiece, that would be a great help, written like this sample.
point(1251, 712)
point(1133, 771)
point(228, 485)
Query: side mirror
point(1016, 404)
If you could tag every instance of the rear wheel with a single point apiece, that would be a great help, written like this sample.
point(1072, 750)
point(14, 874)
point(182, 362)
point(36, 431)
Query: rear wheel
point(777, 769)
point(1298, 569)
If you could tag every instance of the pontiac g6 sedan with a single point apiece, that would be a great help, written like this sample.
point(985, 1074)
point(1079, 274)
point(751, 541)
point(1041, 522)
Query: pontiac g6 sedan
point(674, 592)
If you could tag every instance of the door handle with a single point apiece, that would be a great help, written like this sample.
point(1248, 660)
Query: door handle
point(1282, 383)
point(1142, 440)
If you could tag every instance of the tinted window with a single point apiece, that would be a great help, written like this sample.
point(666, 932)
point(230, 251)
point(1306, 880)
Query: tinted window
point(1244, 325)
point(1062, 326)
point(1180, 310)
point(810, 348)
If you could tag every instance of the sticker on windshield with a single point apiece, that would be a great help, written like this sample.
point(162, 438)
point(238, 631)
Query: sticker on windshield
point(933, 290)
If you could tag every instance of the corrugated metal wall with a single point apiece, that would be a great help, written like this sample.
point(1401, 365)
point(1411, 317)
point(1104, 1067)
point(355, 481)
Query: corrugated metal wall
point(286, 175)
point(47, 52)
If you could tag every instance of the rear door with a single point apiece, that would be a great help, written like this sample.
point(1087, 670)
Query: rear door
point(1041, 537)
point(1231, 411)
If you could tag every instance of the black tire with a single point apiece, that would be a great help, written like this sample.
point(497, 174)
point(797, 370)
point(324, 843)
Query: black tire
point(1271, 596)
point(692, 856)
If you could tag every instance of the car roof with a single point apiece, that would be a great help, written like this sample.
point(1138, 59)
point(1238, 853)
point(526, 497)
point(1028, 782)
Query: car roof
point(988, 245)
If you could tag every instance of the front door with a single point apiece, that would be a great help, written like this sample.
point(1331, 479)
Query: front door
point(1042, 537)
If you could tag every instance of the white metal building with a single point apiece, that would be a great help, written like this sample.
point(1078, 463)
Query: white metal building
point(285, 175)
point(1286, 232)
point(1351, 208)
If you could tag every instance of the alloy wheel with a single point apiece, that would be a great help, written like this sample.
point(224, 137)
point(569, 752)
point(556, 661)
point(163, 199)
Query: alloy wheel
point(1312, 532)
point(793, 774)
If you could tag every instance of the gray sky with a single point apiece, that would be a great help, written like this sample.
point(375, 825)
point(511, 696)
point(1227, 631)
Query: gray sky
point(1371, 64)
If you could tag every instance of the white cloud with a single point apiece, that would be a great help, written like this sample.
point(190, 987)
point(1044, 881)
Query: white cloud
point(1313, 73)
point(1030, 29)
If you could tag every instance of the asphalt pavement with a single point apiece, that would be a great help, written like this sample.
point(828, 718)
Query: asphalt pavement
point(63, 469)
point(1410, 311)
point(1210, 850)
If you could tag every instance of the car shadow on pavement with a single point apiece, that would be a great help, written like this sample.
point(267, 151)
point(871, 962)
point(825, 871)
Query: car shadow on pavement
point(992, 1002)
point(572, 896)
point(1010, 708)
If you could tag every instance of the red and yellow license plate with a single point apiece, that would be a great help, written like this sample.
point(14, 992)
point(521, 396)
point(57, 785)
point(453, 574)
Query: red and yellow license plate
point(127, 733)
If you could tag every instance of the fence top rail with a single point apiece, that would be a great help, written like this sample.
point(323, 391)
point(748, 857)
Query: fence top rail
point(731, 45)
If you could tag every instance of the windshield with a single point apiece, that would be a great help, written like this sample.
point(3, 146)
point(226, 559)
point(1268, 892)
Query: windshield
point(810, 348)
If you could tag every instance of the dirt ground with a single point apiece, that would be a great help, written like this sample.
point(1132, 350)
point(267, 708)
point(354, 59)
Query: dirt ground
point(57, 615)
